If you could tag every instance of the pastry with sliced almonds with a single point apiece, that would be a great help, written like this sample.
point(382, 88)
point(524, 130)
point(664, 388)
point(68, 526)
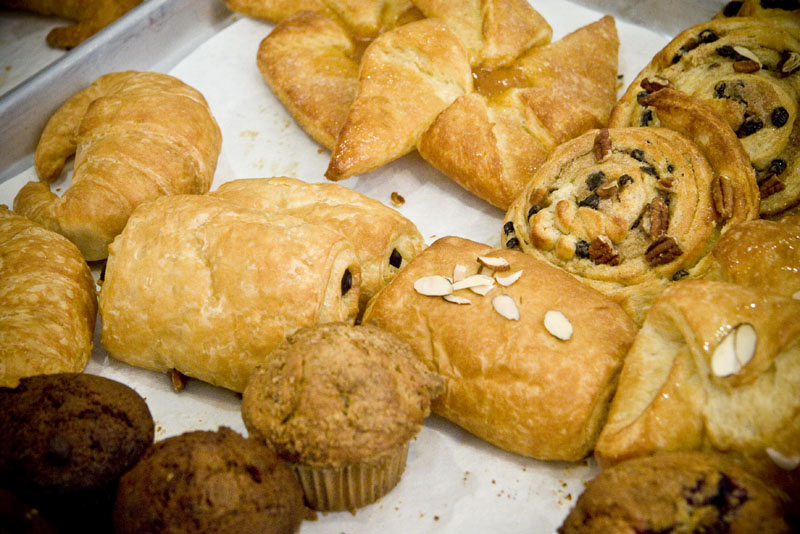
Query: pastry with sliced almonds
point(630, 210)
point(715, 367)
point(748, 70)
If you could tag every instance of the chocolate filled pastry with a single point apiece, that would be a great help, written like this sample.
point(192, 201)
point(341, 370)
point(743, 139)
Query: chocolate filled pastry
point(208, 288)
point(629, 210)
point(384, 240)
point(715, 367)
point(521, 112)
point(529, 355)
point(47, 302)
point(748, 70)
point(90, 16)
point(135, 136)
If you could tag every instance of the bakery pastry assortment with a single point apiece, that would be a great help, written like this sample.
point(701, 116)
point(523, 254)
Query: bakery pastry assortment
point(676, 492)
point(518, 342)
point(135, 136)
point(208, 288)
point(630, 210)
point(89, 16)
point(209, 481)
point(47, 302)
point(341, 403)
point(67, 440)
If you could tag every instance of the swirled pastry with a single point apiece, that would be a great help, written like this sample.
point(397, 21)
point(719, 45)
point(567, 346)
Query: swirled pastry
point(136, 136)
point(208, 288)
point(47, 302)
point(748, 70)
point(715, 367)
point(555, 94)
point(627, 210)
point(384, 240)
point(529, 355)
point(759, 8)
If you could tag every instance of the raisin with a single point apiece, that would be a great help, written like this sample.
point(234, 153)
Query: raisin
point(649, 170)
point(637, 154)
point(719, 89)
point(727, 51)
point(647, 117)
point(777, 166)
point(779, 116)
point(592, 201)
point(512, 243)
point(347, 281)
point(670, 168)
point(396, 259)
point(624, 180)
point(508, 228)
point(683, 273)
point(534, 210)
point(640, 95)
point(707, 36)
point(595, 179)
point(582, 249)
point(750, 126)
point(731, 9)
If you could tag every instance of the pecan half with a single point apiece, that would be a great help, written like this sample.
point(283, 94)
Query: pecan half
point(659, 218)
point(769, 184)
point(662, 251)
point(602, 252)
point(651, 85)
point(665, 184)
point(722, 196)
point(602, 145)
point(746, 66)
point(608, 190)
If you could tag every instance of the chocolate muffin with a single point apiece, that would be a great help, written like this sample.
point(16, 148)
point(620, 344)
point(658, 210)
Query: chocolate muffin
point(203, 482)
point(676, 492)
point(67, 439)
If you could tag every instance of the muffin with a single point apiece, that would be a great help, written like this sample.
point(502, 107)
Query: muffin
point(681, 492)
point(67, 439)
point(341, 403)
point(204, 482)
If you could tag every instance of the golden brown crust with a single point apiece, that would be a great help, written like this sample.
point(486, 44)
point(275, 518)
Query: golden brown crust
point(206, 287)
point(47, 302)
point(384, 240)
point(512, 382)
point(136, 136)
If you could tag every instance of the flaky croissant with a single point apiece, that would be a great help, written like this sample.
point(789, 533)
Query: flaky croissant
point(136, 136)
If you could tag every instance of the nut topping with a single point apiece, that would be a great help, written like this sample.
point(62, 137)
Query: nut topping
point(433, 286)
point(662, 251)
point(651, 85)
point(494, 263)
point(459, 272)
point(508, 279)
point(602, 252)
point(747, 53)
point(659, 218)
point(769, 184)
point(665, 184)
point(505, 306)
point(734, 351)
point(473, 281)
point(178, 379)
point(747, 66)
point(787, 463)
point(607, 191)
point(558, 325)
point(796, 295)
point(455, 299)
point(482, 290)
point(790, 62)
point(602, 145)
point(722, 196)
point(397, 199)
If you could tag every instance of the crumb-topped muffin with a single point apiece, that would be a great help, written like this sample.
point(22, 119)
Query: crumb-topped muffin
point(341, 403)
point(676, 492)
point(209, 482)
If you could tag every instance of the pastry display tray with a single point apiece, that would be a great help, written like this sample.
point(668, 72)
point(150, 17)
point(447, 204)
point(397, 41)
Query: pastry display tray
point(453, 482)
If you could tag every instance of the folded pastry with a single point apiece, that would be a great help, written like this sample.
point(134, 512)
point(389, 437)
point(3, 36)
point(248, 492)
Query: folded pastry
point(407, 76)
point(628, 210)
point(208, 288)
point(47, 302)
point(135, 136)
point(715, 367)
point(530, 362)
point(746, 68)
point(520, 113)
point(495, 32)
point(384, 240)
point(90, 16)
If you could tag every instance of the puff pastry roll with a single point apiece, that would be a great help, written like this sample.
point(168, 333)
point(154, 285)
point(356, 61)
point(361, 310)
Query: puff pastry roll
point(135, 136)
point(492, 140)
point(407, 76)
point(384, 240)
point(47, 302)
point(628, 210)
point(715, 367)
point(748, 70)
point(529, 362)
point(209, 288)
point(90, 16)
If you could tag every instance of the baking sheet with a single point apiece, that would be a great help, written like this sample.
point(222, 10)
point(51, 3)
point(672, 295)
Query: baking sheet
point(453, 483)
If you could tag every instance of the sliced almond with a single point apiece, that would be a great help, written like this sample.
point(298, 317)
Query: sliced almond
point(505, 306)
point(558, 325)
point(746, 52)
point(787, 463)
point(433, 286)
point(507, 280)
point(481, 290)
point(459, 272)
point(745, 343)
point(494, 263)
point(796, 295)
point(473, 281)
point(455, 299)
point(734, 351)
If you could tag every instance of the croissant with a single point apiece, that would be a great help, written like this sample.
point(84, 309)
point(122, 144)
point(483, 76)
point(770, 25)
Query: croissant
point(136, 136)
point(746, 68)
point(491, 141)
point(47, 302)
point(90, 16)
point(629, 210)
point(208, 288)
point(384, 240)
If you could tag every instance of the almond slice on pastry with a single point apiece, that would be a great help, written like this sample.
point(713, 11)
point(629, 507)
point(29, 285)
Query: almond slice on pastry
point(407, 77)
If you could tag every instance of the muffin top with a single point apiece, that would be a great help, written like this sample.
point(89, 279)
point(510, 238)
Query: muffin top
point(209, 481)
point(335, 394)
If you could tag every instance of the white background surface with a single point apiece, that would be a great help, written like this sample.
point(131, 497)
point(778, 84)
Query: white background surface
point(453, 483)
